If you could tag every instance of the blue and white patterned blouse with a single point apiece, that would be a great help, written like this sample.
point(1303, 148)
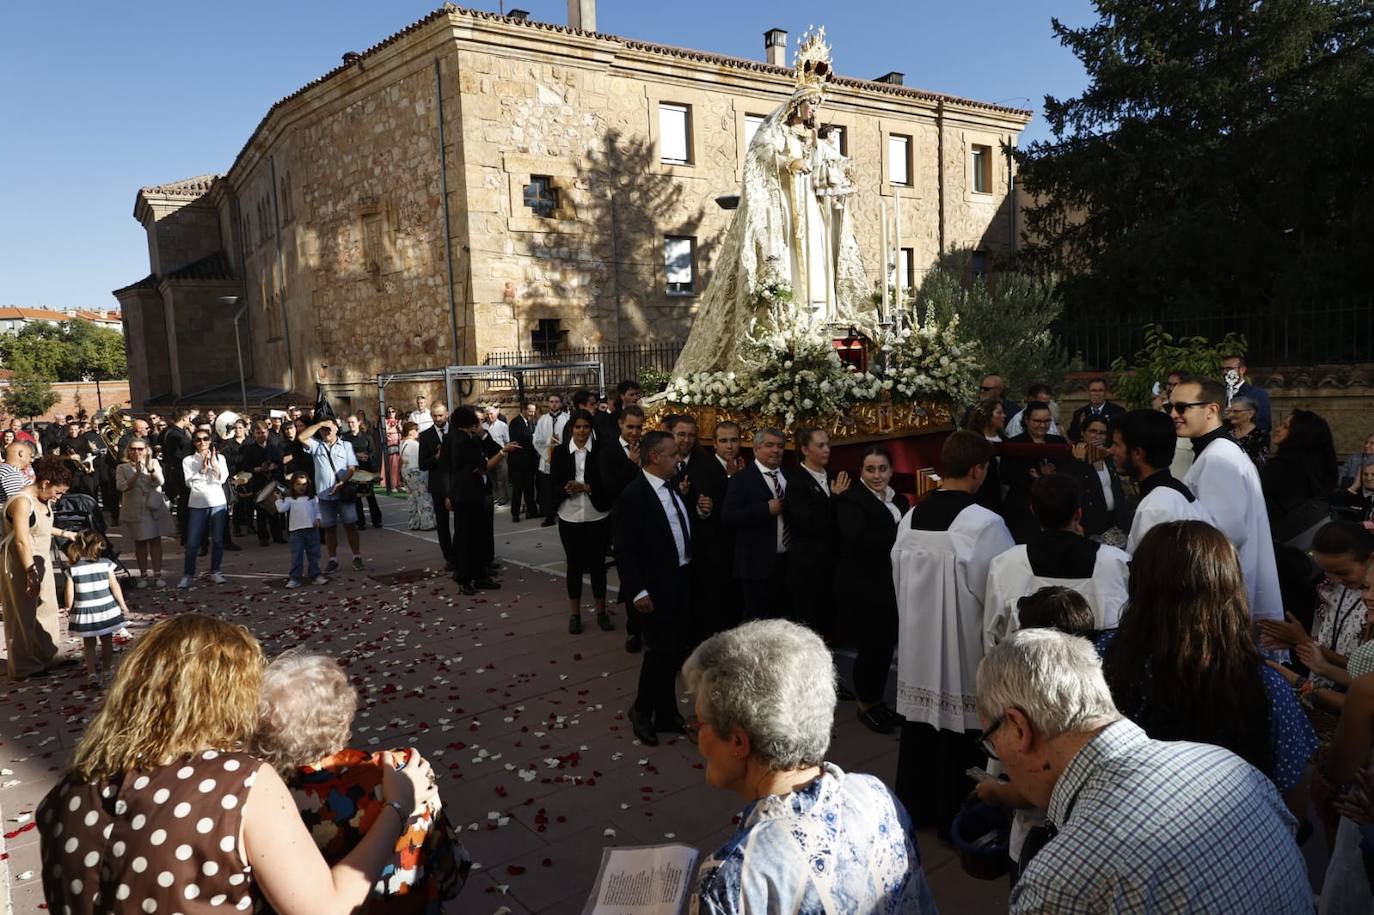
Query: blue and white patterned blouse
point(841, 844)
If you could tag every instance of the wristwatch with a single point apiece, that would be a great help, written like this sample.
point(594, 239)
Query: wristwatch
point(396, 806)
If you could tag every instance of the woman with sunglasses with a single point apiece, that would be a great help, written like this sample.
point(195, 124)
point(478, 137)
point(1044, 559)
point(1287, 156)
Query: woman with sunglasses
point(206, 473)
point(143, 509)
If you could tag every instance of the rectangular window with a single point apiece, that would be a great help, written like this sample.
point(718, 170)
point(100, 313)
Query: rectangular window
point(751, 127)
point(978, 263)
point(838, 137)
point(982, 169)
point(372, 242)
point(674, 133)
point(679, 264)
point(541, 196)
point(906, 269)
point(899, 160)
point(547, 336)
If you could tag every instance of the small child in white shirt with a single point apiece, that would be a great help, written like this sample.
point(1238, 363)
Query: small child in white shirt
point(302, 512)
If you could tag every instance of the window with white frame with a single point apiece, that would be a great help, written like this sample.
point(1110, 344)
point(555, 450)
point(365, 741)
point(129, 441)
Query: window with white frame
point(751, 127)
point(838, 136)
point(906, 269)
point(679, 264)
point(982, 169)
point(899, 160)
point(674, 133)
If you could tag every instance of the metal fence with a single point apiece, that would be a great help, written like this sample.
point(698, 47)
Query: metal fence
point(618, 362)
point(1334, 335)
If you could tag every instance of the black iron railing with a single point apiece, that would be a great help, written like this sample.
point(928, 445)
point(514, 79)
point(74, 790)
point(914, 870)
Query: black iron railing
point(617, 362)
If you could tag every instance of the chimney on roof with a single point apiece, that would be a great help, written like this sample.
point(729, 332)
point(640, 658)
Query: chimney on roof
point(519, 15)
point(351, 57)
point(892, 79)
point(775, 47)
point(582, 15)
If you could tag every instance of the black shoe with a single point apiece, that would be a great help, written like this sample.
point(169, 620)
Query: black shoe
point(264, 542)
point(875, 720)
point(844, 694)
point(514, 519)
point(232, 547)
point(642, 727)
point(674, 723)
point(634, 644)
point(893, 718)
point(280, 540)
point(548, 522)
point(575, 625)
point(467, 588)
point(603, 620)
point(495, 568)
point(486, 584)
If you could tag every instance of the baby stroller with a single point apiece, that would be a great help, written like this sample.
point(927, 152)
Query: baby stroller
point(77, 511)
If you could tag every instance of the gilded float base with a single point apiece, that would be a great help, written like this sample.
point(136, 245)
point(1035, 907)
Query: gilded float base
point(868, 421)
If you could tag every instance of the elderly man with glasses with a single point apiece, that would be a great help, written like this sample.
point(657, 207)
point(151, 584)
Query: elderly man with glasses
point(335, 464)
point(1133, 824)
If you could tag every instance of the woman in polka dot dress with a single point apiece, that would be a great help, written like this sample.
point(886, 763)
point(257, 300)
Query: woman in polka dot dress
point(161, 811)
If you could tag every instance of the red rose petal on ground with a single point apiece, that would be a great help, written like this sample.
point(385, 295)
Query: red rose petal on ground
point(514, 870)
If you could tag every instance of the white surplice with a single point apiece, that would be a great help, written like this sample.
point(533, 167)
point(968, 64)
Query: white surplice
point(1159, 506)
point(1225, 481)
point(940, 579)
point(1010, 578)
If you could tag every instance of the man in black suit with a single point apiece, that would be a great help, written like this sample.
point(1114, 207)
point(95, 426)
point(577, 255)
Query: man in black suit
point(607, 425)
point(754, 501)
point(472, 457)
point(811, 528)
point(435, 460)
point(523, 463)
point(176, 445)
point(713, 587)
point(1097, 406)
point(653, 549)
point(618, 460)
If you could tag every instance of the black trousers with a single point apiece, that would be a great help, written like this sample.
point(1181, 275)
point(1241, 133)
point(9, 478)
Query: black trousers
point(666, 633)
point(931, 783)
point(875, 635)
point(584, 543)
point(716, 600)
point(522, 491)
point(811, 590)
point(767, 598)
point(371, 498)
point(270, 525)
point(443, 525)
point(473, 542)
point(547, 502)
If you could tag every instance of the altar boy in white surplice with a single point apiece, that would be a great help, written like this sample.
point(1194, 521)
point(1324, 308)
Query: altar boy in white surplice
point(940, 566)
point(1059, 555)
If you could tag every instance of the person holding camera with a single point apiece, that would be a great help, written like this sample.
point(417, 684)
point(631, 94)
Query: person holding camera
point(335, 464)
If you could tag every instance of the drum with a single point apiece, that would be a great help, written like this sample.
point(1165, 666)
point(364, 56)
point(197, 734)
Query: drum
point(363, 480)
point(243, 484)
point(267, 496)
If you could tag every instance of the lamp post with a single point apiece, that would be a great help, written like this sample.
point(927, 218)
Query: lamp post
point(232, 300)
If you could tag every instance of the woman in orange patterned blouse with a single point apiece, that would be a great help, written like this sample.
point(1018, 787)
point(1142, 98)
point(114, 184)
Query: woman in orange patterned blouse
point(307, 711)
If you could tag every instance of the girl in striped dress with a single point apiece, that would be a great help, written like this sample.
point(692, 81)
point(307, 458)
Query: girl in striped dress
point(95, 601)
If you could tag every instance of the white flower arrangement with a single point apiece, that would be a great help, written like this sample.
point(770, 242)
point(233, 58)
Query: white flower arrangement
point(931, 360)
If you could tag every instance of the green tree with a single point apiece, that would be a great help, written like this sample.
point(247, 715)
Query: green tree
point(1218, 158)
point(97, 351)
point(72, 351)
point(29, 394)
point(1133, 379)
point(1009, 314)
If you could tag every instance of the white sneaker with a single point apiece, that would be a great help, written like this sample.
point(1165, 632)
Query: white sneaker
point(141, 584)
point(185, 583)
point(321, 580)
point(292, 583)
point(217, 578)
point(161, 582)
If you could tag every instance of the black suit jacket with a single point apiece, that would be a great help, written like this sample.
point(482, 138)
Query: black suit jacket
point(176, 444)
point(645, 553)
point(523, 460)
point(606, 426)
point(716, 552)
point(435, 460)
point(617, 471)
point(1110, 412)
point(563, 469)
point(1096, 516)
point(756, 529)
point(810, 524)
point(467, 466)
point(867, 531)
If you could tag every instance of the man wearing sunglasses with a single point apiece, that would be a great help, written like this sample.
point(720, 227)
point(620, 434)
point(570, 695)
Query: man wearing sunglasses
point(335, 464)
point(1225, 481)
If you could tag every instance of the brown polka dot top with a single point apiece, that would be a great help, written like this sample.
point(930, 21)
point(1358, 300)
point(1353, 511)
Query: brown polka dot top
point(161, 841)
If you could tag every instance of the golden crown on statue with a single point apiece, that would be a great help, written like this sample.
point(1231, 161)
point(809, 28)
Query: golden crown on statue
point(812, 63)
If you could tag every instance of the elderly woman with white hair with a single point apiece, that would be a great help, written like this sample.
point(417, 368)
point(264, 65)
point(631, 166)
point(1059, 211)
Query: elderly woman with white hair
point(306, 715)
point(812, 838)
point(1253, 439)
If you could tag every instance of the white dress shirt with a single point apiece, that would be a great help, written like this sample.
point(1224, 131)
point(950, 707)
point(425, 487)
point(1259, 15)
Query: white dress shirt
point(422, 418)
point(885, 497)
point(779, 491)
point(579, 509)
point(206, 487)
point(667, 497)
point(499, 432)
point(821, 479)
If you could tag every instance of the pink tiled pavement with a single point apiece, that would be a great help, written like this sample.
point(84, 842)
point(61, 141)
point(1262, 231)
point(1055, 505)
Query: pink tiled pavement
point(486, 688)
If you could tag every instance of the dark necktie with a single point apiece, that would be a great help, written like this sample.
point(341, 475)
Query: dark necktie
point(777, 494)
point(682, 521)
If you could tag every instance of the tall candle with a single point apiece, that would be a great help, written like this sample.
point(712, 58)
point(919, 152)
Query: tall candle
point(882, 315)
point(900, 302)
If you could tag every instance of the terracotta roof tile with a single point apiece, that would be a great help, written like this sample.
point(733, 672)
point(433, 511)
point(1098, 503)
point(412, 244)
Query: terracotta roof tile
point(186, 187)
point(17, 313)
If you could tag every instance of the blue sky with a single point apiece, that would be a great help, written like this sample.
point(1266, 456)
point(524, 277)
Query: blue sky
point(101, 99)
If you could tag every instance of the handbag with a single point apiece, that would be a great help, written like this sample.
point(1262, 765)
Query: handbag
point(347, 492)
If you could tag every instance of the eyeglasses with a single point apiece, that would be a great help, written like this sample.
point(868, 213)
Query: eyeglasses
point(202, 438)
point(985, 388)
point(138, 449)
point(1181, 408)
point(985, 742)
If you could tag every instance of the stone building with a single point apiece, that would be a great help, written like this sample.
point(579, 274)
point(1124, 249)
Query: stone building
point(580, 172)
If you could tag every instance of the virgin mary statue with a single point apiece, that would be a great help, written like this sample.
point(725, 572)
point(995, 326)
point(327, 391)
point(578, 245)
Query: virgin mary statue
point(793, 226)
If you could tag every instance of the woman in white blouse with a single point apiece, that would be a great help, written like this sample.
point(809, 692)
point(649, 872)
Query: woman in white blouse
point(583, 518)
point(205, 472)
point(867, 517)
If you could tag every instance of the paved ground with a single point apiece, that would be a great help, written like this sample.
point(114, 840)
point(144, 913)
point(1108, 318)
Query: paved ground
point(524, 723)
